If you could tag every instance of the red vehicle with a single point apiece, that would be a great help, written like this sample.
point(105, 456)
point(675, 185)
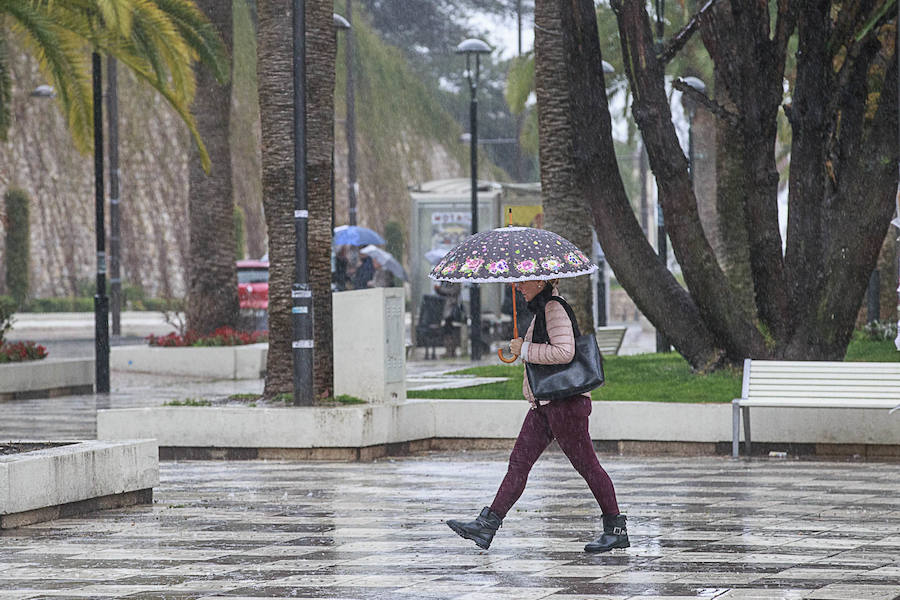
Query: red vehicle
point(253, 291)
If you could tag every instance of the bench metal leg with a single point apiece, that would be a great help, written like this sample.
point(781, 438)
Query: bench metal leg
point(746, 410)
point(735, 428)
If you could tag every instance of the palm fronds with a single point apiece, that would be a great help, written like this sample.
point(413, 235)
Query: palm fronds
point(159, 40)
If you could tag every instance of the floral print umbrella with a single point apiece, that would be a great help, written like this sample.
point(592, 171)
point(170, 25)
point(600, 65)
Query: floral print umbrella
point(512, 254)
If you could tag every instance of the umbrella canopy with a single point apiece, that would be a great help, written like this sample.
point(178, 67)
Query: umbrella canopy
point(511, 254)
point(435, 255)
point(386, 260)
point(353, 235)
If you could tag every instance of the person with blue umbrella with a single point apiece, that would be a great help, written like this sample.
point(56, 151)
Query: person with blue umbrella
point(354, 235)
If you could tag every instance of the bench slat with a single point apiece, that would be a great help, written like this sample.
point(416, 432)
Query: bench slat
point(766, 364)
point(774, 393)
point(609, 339)
point(829, 368)
point(822, 384)
point(821, 402)
point(862, 374)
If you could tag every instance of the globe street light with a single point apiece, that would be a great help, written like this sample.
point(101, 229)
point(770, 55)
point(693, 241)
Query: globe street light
point(43, 91)
point(473, 49)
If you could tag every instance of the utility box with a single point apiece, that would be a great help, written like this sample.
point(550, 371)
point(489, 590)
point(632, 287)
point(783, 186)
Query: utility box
point(369, 344)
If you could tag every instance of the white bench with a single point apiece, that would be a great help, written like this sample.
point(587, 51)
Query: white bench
point(609, 339)
point(813, 384)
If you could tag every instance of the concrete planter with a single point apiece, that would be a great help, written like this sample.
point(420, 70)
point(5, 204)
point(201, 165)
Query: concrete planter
point(229, 427)
point(217, 362)
point(46, 377)
point(76, 478)
point(372, 430)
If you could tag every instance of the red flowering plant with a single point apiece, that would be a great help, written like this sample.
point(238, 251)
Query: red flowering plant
point(21, 351)
point(223, 336)
point(15, 351)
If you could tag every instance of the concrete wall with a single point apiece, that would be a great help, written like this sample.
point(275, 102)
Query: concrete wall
point(221, 362)
point(75, 472)
point(46, 375)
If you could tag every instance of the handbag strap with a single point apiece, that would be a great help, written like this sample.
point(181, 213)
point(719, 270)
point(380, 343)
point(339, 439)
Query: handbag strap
point(571, 314)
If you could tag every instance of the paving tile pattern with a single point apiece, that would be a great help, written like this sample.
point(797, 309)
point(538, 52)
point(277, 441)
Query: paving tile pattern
point(699, 528)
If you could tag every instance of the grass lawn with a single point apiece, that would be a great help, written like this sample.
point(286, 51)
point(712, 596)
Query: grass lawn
point(648, 377)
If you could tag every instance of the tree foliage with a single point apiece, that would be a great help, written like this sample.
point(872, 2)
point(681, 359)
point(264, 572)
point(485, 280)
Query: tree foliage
point(159, 40)
point(428, 32)
point(803, 291)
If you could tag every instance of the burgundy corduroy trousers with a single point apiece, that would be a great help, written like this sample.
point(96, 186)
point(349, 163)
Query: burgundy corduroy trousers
point(567, 422)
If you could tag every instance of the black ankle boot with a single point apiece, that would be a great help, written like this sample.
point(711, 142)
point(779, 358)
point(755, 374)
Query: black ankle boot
point(481, 530)
point(615, 535)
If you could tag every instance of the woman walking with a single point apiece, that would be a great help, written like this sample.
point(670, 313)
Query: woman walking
point(550, 340)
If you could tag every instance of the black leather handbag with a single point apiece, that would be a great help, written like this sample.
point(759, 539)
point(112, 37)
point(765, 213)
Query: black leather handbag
point(583, 374)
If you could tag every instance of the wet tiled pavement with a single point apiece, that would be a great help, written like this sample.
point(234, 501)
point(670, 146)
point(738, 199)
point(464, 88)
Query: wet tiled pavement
point(699, 528)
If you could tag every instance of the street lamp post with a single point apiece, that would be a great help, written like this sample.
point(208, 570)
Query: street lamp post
point(473, 49)
point(342, 24)
point(352, 184)
point(602, 309)
point(112, 117)
point(896, 221)
point(662, 344)
point(101, 302)
point(301, 293)
point(690, 106)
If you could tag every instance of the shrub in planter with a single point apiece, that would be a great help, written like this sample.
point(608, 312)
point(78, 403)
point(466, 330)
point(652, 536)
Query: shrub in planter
point(7, 308)
point(223, 336)
point(18, 246)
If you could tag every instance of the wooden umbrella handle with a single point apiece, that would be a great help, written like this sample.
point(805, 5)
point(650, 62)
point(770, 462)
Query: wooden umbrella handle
point(515, 330)
point(514, 358)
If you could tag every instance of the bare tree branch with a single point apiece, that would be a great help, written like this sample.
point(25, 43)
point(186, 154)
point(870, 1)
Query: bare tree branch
point(677, 41)
point(710, 104)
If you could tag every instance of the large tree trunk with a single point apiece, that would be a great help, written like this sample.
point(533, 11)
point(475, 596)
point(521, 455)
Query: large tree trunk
point(274, 66)
point(320, 60)
point(276, 115)
point(212, 279)
point(564, 207)
point(858, 180)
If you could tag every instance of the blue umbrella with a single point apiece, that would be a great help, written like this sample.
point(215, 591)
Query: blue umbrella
point(353, 235)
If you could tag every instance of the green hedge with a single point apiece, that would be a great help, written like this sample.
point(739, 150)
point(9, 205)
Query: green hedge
point(86, 304)
point(18, 244)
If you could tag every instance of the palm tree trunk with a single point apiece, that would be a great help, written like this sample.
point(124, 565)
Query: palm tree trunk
point(212, 278)
point(276, 116)
point(276, 122)
point(320, 60)
point(565, 207)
